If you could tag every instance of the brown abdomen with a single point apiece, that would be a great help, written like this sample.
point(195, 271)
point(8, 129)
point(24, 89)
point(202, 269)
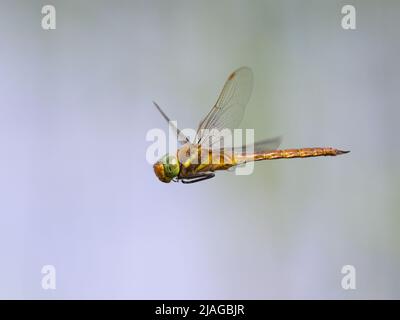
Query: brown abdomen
point(294, 153)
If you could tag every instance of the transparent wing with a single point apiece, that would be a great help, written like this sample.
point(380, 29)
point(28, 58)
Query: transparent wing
point(181, 137)
point(263, 146)
point(228, 111)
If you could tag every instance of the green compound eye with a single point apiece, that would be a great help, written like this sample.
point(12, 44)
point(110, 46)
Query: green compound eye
point(171, 166)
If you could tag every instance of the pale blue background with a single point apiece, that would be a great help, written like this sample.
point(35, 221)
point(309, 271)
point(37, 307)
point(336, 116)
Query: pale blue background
point(76, 190)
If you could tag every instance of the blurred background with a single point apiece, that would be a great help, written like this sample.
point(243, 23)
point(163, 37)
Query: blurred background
point(76, 190)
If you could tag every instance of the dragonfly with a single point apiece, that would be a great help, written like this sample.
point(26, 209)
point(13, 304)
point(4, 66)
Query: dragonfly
point(198, 160)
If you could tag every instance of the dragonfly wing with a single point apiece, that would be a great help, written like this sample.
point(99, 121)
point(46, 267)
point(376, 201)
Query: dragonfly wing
point(228, 111)
point(181, 137)
point(261, 146)
point(264, 146)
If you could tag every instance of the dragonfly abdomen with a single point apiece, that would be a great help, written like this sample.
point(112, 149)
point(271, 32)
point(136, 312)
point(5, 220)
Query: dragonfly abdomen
point(293, 153)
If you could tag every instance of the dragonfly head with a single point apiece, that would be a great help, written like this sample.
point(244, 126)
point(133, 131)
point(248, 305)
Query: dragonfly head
point(166, 168)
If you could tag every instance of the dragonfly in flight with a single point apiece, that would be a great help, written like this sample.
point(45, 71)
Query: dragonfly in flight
point(198, 160)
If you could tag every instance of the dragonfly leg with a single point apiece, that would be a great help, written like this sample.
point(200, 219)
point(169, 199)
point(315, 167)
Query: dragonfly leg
point(198, 178)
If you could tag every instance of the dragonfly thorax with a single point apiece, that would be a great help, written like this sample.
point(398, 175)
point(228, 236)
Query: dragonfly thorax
point(166, 168)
